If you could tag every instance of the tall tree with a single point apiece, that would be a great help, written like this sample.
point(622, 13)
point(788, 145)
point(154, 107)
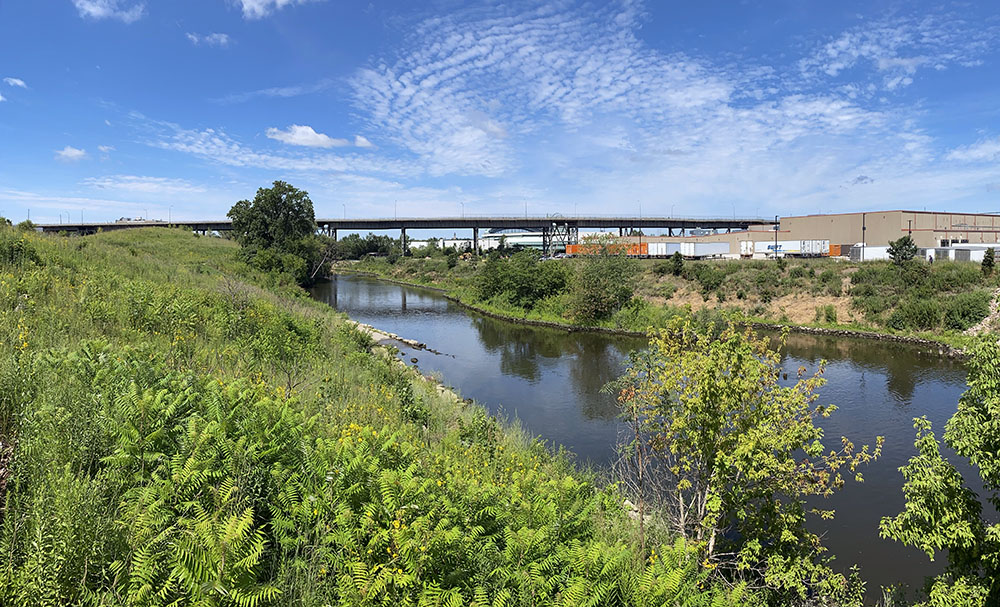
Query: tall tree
point(730, 454)
point(278, 218)
point(902, 250)
point(942, 514)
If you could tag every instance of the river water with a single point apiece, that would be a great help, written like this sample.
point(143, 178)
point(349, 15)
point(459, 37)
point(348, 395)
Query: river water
point(550, 380)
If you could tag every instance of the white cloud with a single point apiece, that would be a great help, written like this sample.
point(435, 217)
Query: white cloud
point(256, 9)
point(897, 48)
point(141, 184)
point(981, 151)
point(107, 149)
point(305, 136)
point(70, 154)
point(2, 98)
point(473, 83)
point(217, 146)
point(215, 39)
point(110, 9)
point(278, 91)
point(15, 82)
point(361, 142)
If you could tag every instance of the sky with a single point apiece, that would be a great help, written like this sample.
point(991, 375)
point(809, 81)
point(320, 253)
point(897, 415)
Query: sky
point(177, 109)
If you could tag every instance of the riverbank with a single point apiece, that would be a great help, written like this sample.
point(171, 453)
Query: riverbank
point(170, 409)
point(950, 346)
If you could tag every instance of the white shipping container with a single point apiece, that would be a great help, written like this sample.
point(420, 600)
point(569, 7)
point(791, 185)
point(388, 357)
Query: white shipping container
point(704, 249)
point(746, 248)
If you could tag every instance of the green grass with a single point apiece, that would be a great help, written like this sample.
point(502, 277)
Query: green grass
point(177, 428)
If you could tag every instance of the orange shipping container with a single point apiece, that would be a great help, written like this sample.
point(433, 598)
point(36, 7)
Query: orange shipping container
point(631, 249)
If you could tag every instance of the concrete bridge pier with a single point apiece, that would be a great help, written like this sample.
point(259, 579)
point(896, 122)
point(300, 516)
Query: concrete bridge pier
point(475, 240)
point(402, 239)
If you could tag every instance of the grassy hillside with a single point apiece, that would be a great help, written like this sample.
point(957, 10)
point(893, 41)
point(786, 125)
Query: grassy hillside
point(178, 429)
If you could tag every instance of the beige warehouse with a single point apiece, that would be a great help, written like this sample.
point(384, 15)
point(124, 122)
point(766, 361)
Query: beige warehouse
point(928, 229)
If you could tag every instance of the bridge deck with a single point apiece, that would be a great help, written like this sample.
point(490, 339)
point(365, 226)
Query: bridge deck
point(431, 223)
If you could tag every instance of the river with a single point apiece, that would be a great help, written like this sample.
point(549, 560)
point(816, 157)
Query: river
point(550, 380)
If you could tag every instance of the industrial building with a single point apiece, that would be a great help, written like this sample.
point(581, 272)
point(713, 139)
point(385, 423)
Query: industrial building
point(930, 230)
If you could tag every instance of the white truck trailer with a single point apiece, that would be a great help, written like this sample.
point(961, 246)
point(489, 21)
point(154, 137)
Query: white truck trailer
point(697, 250)
point(793, 248)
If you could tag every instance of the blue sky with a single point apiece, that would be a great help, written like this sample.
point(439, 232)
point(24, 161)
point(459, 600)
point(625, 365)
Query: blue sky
point(125, 108)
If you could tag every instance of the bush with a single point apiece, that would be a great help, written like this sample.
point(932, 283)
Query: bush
point(966, 309)
point(603, 284)
point(916, 314)
point(826, 313)
point(522, 278)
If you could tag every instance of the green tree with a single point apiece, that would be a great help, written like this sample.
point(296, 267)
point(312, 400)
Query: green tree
point(902, 250)
point(604, 281)
point(277, 232)
point(730, 455)
point(277, 218)
point(523, 279)
point(676, 263)
point(988, 262)
point(942, 514)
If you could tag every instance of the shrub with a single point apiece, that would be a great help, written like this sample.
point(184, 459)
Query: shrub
point(603, 284)
point(916, 314)
point(966, 309)
point(826, 313)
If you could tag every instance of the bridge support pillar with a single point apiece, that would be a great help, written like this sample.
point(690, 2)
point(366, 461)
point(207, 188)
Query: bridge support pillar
point(475, 241)
point(333, 234)
point(402, 240)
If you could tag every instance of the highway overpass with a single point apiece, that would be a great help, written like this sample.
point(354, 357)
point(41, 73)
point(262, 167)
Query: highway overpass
point(555, 228)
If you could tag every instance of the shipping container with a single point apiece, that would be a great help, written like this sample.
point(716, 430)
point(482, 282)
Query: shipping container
point(632, 250)
point(704, 249)
point(840, 250)
point(746, 248)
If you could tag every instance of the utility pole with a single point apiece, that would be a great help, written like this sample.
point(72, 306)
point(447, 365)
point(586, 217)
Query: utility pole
point(776, 224)
point(864, 244)
point(909, 227)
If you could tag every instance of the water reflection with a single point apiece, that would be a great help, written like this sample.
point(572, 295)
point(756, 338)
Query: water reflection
point(551, 381)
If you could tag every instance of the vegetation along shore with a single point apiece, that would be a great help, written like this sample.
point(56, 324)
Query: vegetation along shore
point(940, 306)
